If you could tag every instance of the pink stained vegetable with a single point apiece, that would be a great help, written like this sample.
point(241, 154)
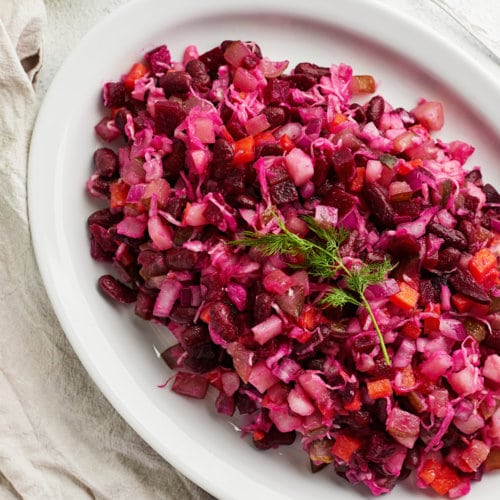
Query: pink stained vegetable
point(223, 143)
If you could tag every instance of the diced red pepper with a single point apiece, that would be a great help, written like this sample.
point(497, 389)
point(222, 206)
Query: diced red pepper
point(357, 183)
point(345, 446)
point(244, 150)
point(118, 194)
point(138, 70)
point(380, 388)
point(411, 330)
point(286, 143)
point(337, 120)
point(406, 298)
point(445, 480)
point(432, 324)
point(482, 263)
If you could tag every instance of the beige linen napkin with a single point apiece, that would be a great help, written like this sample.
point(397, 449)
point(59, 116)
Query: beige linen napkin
point(59, 437)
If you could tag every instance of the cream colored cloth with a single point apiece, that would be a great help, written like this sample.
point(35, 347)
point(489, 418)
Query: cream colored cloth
point(59, 437)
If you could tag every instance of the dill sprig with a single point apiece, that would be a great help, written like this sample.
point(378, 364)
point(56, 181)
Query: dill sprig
point(322, 258)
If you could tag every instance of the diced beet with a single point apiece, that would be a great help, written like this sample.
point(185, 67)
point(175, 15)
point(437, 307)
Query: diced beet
point(222, 160)
point(411, 208)
point(172, 356)
point(277, 91)
point(104, 218)
point(464, 283)
point(184, 315)
point(213, 286)
point(190, 384)
point(106, 162)
point(474, 176)
point(168, 115)
point(202, 357)
point(430, 291)
point(182, 234)
point(113, 94)
point(301, 81)
point(343, 164)
point(274, 438)
point(175, 83)
point(180, 259)
point(152, 264)
point(212, 214)
point(235, 181)
point(341, 200)
point(116, 290)
point(159, 59)
point(404, 245)
point(103, 238)
point(175, 206)
point(284, 192)
point(276, 115)
point(143, 120)
point(145, 304)
point(175, 160)
point(380, 208)
point(364, 342)
point(263, 307)
point(107, 129)
point(97, 253)
point(213, 59)
point(269, 149)
point(221, 321)
point(236, 128)
point(448, 259)
point(492, 340)
point(452, 237)
point(375, 109)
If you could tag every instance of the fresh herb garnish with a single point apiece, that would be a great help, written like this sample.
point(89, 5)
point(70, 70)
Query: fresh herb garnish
point(322, 258)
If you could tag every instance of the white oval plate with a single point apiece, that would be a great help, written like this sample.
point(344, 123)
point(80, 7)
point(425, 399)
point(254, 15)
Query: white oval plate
point(409, 62)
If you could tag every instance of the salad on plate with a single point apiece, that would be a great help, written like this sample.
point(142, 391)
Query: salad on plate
point(327, 266)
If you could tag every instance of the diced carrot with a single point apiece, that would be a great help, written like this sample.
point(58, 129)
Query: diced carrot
point(430, 471)
point(411, 330)
point(337, 120)
point(445, 480)
point(461, 303)
point(308, 318)
point(358, 181)
point(405, 167)
point(205, 315)
point(286, 143)
point(432, 324)
point(118, 194)
point(138, 70)
point(380, 388)
point(355, 404)
point(482, 263)
point(345, 446)
point(406, 298)
point(258, 435)
point(244, 150)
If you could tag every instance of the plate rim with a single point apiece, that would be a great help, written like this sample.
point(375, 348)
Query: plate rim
point(37, 214)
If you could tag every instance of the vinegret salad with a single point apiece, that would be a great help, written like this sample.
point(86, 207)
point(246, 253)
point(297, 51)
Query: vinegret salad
point(327, 266)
